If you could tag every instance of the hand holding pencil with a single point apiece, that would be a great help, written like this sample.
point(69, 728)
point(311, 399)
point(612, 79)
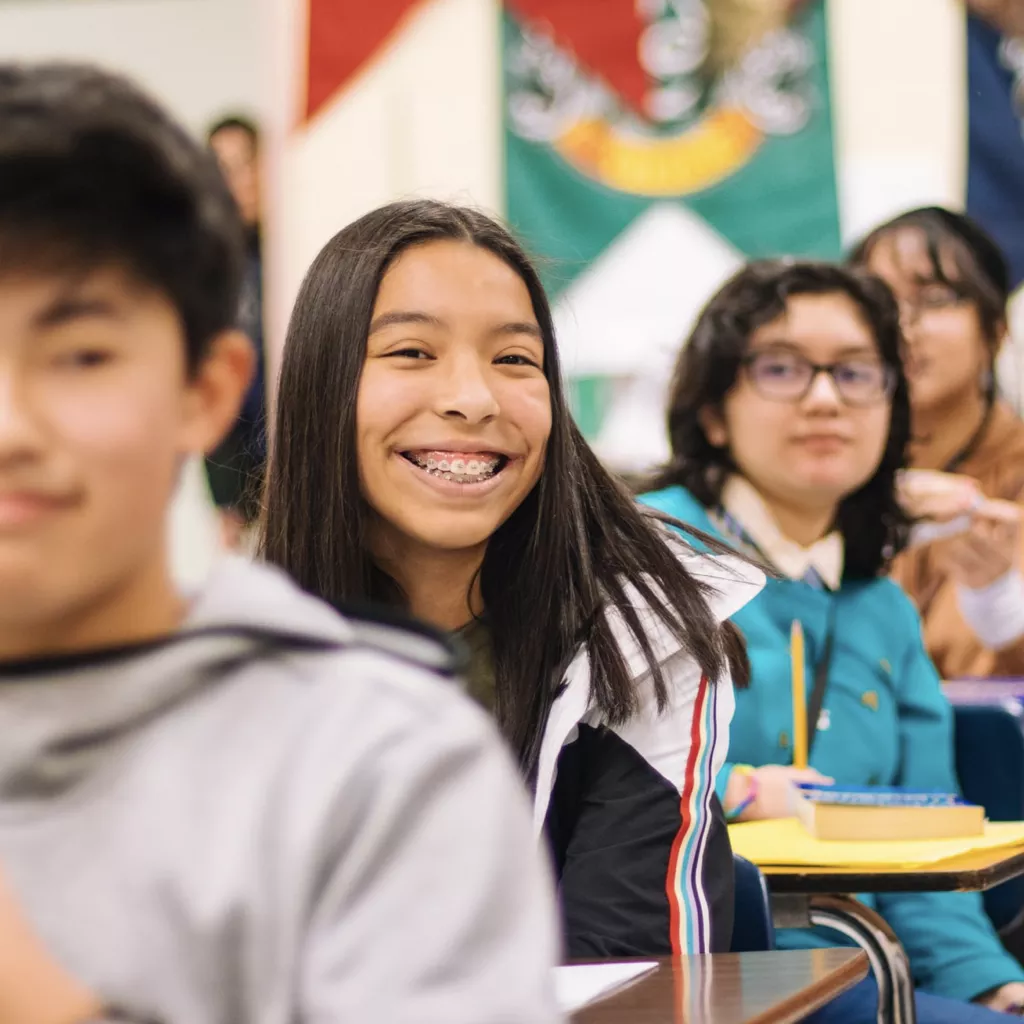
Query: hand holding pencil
point(775, 782)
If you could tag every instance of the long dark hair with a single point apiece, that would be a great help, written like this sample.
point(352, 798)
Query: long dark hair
point(873, 525)
point(981, 277)
point(549, 572)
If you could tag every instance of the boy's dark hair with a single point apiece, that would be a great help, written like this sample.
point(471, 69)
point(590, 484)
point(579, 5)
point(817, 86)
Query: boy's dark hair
point(93, 173)
point(550, 570)
point(873, 525)
point(236, 122)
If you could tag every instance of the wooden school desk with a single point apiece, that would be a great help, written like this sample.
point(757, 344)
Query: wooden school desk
point(803, 896)
point(733, 988)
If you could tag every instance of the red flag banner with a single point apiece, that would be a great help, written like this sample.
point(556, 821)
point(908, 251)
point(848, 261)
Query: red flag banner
point(342, 36)
point(615, 35)
point(609, 40)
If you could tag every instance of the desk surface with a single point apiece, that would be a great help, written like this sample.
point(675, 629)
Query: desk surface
point(733, 988)
point(973, 872)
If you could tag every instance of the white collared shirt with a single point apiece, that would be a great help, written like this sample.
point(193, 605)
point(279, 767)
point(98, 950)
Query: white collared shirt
point(741, 500)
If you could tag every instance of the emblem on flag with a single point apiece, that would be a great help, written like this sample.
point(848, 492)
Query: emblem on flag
point(707, 101)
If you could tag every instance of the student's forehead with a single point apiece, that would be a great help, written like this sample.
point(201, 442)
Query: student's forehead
point(827, 321)
point(906, 255)
point(452, 287)
point(111, 282)
point(34, 306)
point(456, 275)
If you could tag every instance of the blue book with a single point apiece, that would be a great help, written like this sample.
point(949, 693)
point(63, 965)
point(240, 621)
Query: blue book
point(877, 796)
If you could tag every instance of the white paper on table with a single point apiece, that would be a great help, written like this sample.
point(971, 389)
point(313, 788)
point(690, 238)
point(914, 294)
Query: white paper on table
point(579, 985)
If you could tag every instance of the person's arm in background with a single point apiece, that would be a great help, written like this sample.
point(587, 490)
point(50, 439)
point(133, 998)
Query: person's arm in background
point(986, 565)
point(966, 547)
point(953, 947)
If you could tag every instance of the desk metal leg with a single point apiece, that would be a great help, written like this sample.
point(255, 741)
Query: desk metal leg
point(888, 960)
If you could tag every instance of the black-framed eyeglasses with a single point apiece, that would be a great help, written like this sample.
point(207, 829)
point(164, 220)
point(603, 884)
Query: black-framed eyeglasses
point(783, 376)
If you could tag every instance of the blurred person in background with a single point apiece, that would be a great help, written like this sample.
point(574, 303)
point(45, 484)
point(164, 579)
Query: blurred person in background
point(231, 805)
point(952, 285)
point(235, 468)
point(788, 421)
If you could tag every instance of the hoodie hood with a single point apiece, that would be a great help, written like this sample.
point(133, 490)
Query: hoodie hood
point(60, 716)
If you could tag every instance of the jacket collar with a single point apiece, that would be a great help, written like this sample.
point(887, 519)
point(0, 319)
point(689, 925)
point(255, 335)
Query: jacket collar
point(742, 502)
point(733, 582)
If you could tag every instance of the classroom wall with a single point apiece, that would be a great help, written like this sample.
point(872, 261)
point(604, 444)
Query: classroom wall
point(900, 105)
point(200, 57)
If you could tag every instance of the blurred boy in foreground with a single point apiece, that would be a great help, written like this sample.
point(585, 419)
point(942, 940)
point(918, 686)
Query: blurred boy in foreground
point(236, 806)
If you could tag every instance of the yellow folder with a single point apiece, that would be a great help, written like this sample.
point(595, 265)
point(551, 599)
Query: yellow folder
point(784, 842)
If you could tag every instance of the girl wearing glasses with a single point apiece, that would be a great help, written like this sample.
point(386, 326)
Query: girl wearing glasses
point(952, 285)
point(788, 418)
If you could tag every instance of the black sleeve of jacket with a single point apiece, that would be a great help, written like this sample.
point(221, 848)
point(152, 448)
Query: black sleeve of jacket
point(612, 824)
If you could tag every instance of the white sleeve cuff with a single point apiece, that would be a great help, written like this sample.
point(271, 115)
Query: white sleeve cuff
point(995, 613)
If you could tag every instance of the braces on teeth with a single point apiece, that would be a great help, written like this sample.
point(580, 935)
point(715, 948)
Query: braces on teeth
point(458, 470)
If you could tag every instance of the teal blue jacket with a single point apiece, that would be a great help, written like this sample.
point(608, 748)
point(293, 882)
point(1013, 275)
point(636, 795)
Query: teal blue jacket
point(886, 723)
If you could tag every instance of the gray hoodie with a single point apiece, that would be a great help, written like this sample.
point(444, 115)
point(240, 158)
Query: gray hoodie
point(268, 818)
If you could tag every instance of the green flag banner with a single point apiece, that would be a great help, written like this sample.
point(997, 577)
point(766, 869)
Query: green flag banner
point(652, 145)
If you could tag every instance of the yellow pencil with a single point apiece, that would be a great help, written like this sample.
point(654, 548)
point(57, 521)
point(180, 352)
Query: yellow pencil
point(796, 656)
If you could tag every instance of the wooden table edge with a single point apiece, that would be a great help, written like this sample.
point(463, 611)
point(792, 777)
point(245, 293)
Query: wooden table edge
point(822, 992)
point(851, 967)
point(939, 877)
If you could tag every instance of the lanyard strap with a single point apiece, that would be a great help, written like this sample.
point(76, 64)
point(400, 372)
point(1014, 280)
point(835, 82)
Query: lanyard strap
point(821, 672)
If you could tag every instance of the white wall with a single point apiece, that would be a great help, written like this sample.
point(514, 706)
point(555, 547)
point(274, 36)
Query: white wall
point(899, 100)
point(200, 57)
